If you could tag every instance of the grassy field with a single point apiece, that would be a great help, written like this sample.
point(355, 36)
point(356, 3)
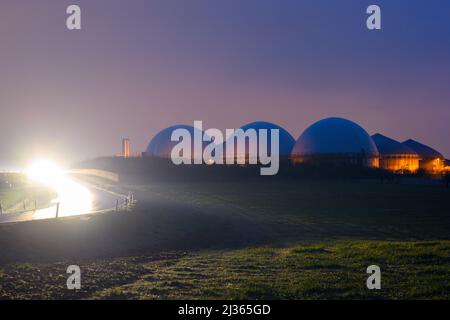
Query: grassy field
point(324, 209)
point(13, 199)
point(330, 270)
point(274, 239)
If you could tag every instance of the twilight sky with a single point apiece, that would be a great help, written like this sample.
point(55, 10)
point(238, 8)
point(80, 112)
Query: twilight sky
point(138, 66)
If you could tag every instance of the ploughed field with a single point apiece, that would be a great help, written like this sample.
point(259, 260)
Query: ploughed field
point(262, 238)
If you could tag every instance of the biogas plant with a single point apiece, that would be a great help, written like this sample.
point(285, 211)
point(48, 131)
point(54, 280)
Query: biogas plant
point(331, 141)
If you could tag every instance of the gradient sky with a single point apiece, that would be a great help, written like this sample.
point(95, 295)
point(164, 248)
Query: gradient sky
point(139, 66)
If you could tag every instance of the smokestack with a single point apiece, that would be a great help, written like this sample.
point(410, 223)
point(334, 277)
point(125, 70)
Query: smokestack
point(126, 151)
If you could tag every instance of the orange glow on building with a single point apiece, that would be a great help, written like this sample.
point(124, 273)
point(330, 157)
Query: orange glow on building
point(433, 166)
point(354, 159)
point(403, 163)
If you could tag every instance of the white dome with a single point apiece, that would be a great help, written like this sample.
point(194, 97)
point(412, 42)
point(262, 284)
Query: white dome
point(334, 136)
point(161, 145)
point(286, 141)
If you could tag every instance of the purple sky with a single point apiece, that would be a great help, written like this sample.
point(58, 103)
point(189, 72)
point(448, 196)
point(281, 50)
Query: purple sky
point(139, 66)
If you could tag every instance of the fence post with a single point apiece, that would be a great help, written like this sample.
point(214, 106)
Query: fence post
point(1, 209)
point(35, 204)
point(24, 206)
point(117, 204)
point(57, 210)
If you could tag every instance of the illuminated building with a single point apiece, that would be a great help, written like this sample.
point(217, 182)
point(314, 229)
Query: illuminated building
point(395, 156)
point(286, 142)
point(431, 160)
point(447, 166)
point(336, 141)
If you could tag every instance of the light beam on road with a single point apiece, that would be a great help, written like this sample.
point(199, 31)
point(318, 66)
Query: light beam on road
point(73, 198)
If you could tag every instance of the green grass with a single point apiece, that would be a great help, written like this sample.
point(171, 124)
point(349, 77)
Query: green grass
point(12, 199)
point(326, 270)
point(303, 239)
point(23, 191)
point(315, 209)
point(414, 270)
point(318, 271)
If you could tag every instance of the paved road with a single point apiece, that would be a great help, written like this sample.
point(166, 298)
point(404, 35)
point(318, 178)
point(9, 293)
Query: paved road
point(74, 203)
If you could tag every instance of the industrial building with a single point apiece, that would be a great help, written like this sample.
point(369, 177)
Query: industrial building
point(431, 160)
point(395, 156)
point(330, 141)
point(161, 145)
point(336, 141)
point(126, 148)
point(286, 143)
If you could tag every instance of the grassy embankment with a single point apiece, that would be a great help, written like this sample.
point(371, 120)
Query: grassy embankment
point(23, 192)
point(285, 239)
point(329, 270)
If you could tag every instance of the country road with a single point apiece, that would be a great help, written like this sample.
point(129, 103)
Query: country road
point(78, 198)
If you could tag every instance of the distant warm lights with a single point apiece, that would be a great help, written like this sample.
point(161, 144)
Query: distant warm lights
point(438, 165)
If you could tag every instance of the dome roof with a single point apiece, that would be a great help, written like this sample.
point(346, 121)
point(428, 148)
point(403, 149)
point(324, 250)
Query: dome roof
point(423, 150)
point(334, 136)
point(386, 145)
point(161, 145)
point(286, 142)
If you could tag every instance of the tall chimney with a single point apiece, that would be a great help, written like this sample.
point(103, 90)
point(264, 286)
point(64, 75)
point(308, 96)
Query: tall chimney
point(126, 152)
